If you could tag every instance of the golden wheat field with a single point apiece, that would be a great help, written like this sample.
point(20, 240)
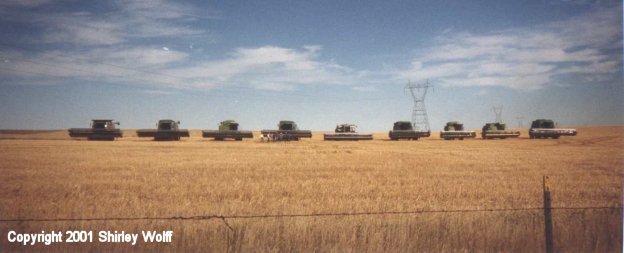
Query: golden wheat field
point(47, 175)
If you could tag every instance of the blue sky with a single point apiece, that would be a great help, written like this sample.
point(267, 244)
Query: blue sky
point(319, 63)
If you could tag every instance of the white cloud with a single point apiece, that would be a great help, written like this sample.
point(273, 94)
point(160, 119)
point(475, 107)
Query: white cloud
point(23, 3)
point(126, 21)
point(268, 67)
point(526, 58)
point(111, 47)
point(483, 92)
point(365, 88)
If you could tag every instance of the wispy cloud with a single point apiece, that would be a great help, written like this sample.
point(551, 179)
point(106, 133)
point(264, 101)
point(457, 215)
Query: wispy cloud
point(119, 46)
point(365, 88)
point(526, 58)
point(23, 3)
point(268, 67)
point(124, 21)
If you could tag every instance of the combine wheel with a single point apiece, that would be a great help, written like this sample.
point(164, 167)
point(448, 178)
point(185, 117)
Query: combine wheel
point(461, 139)
point(239, 139)
point(218, 139)
point(555, 137)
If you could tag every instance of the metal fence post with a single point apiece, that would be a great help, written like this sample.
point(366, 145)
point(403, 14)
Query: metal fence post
point(548, 227)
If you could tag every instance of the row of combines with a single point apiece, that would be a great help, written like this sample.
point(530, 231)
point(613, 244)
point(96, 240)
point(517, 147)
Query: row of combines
point(169, 130)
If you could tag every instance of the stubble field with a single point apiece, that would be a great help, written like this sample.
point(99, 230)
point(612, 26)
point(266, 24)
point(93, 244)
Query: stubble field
point(46, 175)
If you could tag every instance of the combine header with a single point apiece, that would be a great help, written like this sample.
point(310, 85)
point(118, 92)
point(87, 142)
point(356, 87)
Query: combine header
point(346, 132)
point(404, 130)
point(101, 130)
point(228, 129)
point(287, 131)
point(497, 130)
point(544, 128)
point(455, 130)
point(168, 130)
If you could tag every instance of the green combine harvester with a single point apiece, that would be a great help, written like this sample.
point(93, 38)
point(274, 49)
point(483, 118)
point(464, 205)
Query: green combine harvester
point(405, 130)
point(167, 130)
point(287, 131)
point(545, 128)
point(346, 132)
point(455, 130)
point(497, 130)
point(228, 129)
point(101, 130)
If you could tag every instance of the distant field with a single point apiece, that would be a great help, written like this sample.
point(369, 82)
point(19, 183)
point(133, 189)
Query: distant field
point(45, 174)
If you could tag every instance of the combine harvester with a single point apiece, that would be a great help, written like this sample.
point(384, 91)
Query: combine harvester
point(167, 130)
point(497, 130)
point(545, 128)
point(405, 130)
point(346, 132)
point(287, 131)
point(101, 130)
point(455, 130)
point(228, 129)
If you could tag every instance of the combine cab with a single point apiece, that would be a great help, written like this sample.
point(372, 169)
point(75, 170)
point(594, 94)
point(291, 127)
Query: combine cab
point(287, 131)
point(167, 131)
point(404, 130)
point(101, 130)
point(544, 128)
point(497, 130)
point(455, 130)
point(346, 132)
point(227, 130)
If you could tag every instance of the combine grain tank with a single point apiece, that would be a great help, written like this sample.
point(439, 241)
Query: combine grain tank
point(101, 129)
point(167, 130)
point(346, 132)
point(545, 128)
point(227, 130)
point(287, 130)
point(455, 130)
point(405, 130)
point(497, 130)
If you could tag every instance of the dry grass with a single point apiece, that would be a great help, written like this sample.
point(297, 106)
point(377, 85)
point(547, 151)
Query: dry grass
point(48, 175)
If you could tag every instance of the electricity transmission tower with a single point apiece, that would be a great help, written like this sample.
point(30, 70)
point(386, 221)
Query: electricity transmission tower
point(420, 121)
point(520, 121)
point(498, 111)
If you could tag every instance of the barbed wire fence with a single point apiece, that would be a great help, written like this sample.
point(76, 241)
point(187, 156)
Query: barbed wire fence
point(547, 208)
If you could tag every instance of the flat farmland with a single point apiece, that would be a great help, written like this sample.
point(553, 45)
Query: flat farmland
point(47, 175)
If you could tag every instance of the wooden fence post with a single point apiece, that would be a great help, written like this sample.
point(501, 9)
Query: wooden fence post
point(548, 227)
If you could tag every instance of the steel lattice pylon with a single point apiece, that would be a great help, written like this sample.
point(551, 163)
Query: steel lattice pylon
point(420, 121)
point(520, 121)
point(498, 111)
